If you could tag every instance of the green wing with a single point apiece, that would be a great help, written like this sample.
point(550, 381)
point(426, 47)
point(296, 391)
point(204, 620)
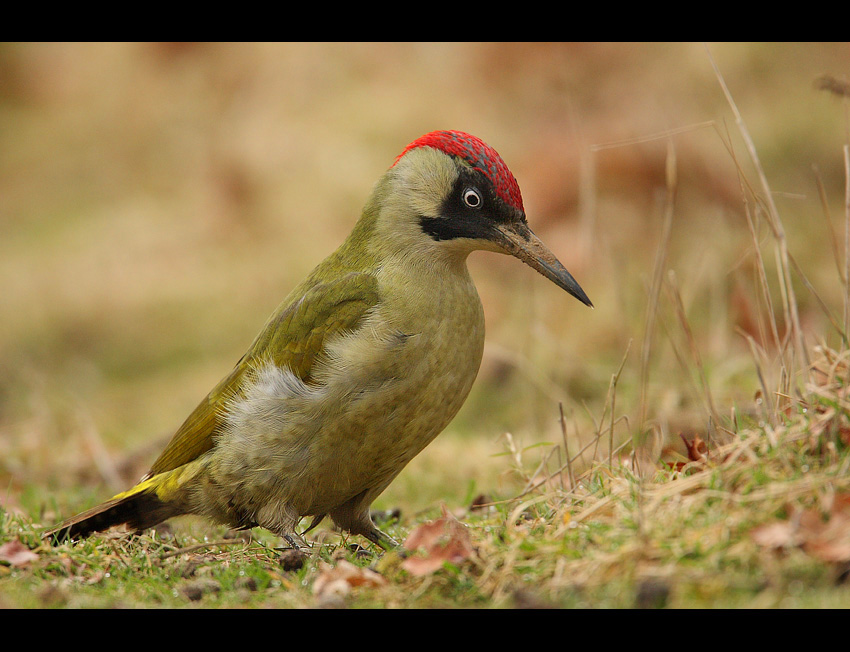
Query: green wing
point(293, 337)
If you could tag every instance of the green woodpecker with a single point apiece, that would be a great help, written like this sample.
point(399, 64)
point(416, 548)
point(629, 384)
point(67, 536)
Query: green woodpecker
point(360, 367)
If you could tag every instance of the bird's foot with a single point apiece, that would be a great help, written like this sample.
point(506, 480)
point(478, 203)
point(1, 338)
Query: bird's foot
point(382, 539)
point(295, 541)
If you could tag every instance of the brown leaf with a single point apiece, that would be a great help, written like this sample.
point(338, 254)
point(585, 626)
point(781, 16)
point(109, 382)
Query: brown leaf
point(697, 448)
point(830, 540)
point(827, 540)
point(833, 544)
point(841, 503)
point(443, 540)
point(340, 579)
point(678, 467)
point(774, 535)
point(16, 554)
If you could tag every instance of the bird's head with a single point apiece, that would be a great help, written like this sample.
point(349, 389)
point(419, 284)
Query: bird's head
point(451, 191)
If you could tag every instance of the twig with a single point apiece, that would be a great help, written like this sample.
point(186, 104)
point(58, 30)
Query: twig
point(198, 546)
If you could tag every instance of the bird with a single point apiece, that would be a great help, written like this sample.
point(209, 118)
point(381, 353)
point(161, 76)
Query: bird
point(358, 369)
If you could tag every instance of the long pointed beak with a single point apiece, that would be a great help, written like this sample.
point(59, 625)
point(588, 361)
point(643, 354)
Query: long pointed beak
point(518, 240)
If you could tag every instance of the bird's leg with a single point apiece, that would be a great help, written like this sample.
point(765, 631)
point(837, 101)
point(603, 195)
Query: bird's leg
point(281, 519)
point(295, 541)
point(353, 516)
point(382, 539)
point(318, 518)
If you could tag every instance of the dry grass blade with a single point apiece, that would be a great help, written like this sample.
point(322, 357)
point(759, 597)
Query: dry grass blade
point(566, 445)
point(773, 219)
point(833, 240)
point(657, 279)
point(840, 87)
point(766, 403)
point(747, 192)
point(200, 546)
point(612, 393)
point(676, 299)
point(667, 134)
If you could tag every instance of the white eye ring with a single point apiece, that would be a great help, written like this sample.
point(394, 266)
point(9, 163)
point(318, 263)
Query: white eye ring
point(472, 198)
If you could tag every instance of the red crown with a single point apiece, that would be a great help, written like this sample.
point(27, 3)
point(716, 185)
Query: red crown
point(479, 155)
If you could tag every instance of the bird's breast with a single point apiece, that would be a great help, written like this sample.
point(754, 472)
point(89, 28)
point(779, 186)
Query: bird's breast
point(378, 396)
point(411, 366)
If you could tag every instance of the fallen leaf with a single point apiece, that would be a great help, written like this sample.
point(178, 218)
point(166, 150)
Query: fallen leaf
point(828, 540)
point(831, 539)
point(340, 579)
point(16, 554)
point(443, 540)
point(675, 466)
point(696, 447)
point(780, 534)
point(832, 543)
point(840, 503)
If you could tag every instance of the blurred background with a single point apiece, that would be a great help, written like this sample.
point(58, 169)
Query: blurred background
point(157, 201)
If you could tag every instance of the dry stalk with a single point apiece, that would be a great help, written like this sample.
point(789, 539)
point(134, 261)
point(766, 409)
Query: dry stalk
point(655, 287)
point(786, 287)
point(676, 299)
point(847, 236)
point(566, 446)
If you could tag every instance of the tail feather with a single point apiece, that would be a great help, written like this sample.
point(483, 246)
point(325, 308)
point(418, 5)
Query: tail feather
point(137, 511)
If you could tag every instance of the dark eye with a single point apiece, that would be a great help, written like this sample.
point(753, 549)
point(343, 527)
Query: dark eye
point(472, 198)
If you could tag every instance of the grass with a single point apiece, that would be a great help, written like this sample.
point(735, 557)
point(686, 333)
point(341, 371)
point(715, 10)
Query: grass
point(674, 535)
point(704, 464)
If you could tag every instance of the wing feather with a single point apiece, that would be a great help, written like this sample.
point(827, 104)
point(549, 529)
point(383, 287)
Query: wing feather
point(293, 337)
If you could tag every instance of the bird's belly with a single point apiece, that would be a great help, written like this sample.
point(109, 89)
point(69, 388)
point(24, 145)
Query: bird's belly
point(381, 395)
